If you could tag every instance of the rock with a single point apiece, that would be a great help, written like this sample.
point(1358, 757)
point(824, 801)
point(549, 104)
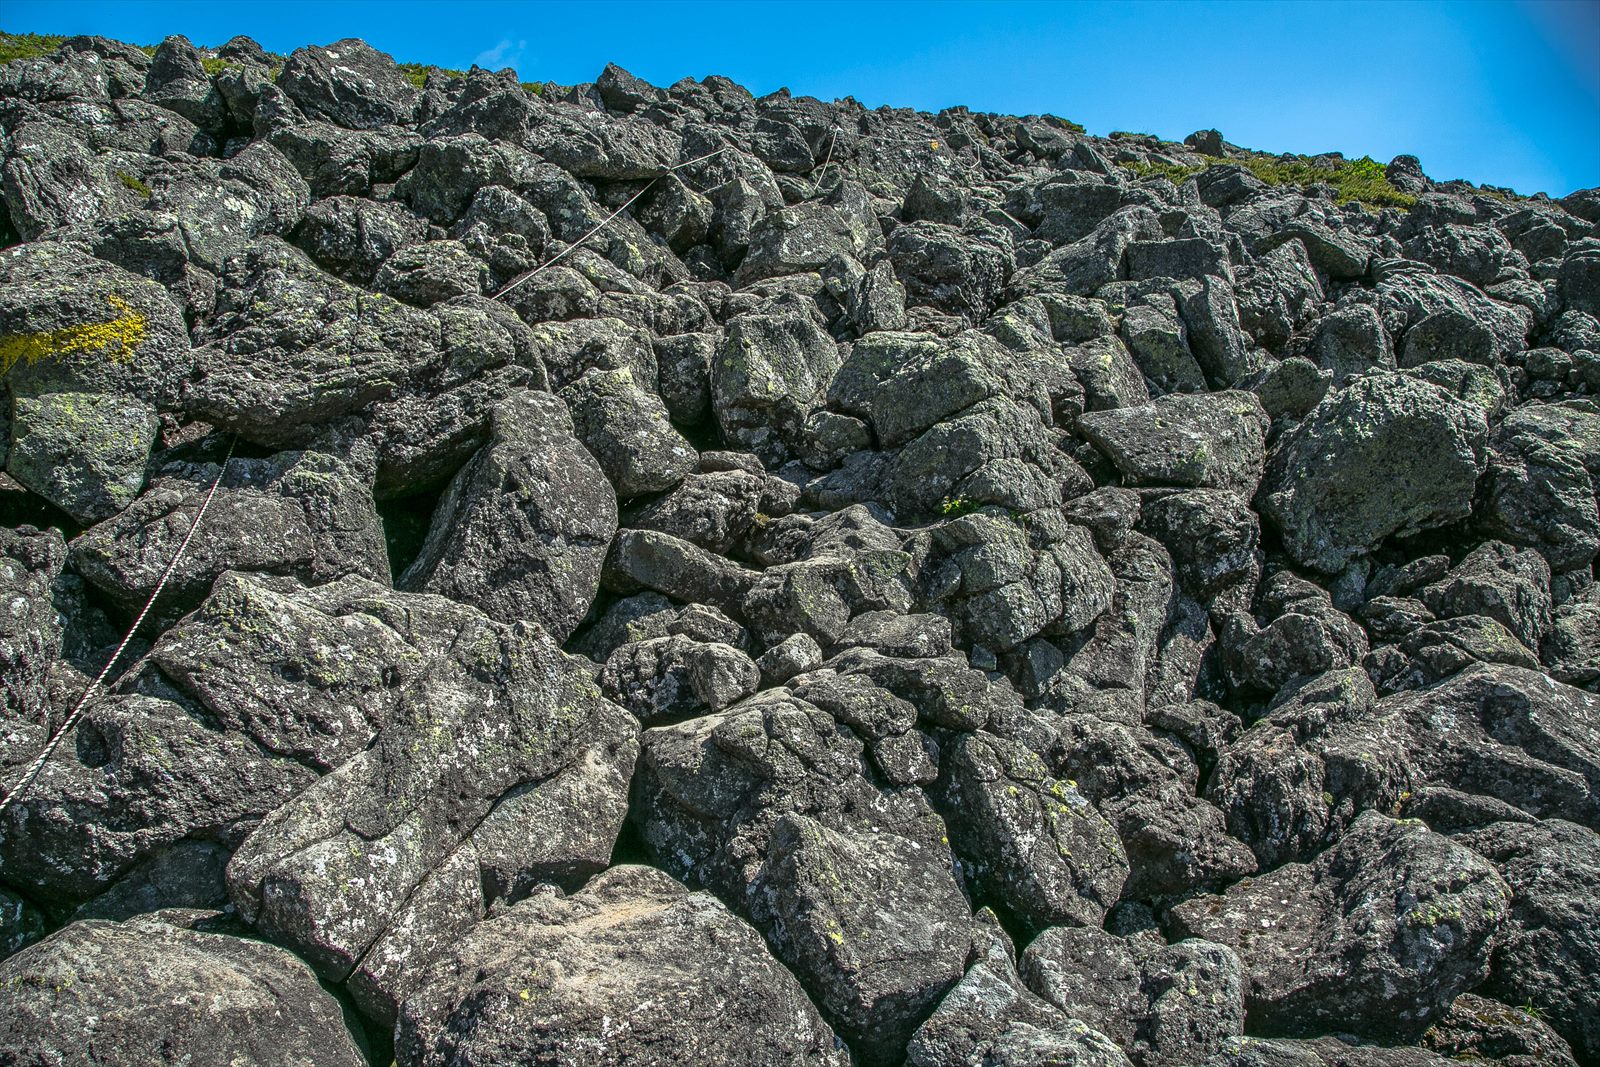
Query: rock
point(1386, 455)
point(84, 453)
point(626, 429)
point(349, 84)
point(712, 510)
point(535, 478)
point(138, 775)
point(1215, 440)
point(794, 655)
point(342, 867)
point(645, 559)
point(30, 630)
point(304, 514)
point(1485, 1029)
point(1511, 734)
point(123, 993)
point(1496, 580)
point(296, 348)
point(430, 272)
point(864, 909)
point(1028, 839)
point(1165, 1004)
point(73, 324)
point(1304, 635)
point(990, 1020)
point(1376, 936)
point(1352, 342)
point(632, 936)
point(1547, 956)
point(1292, 783)
point(770, 374)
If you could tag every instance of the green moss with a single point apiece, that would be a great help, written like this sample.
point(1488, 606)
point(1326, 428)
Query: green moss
point(214, 67)
point(533, 88)
point(133, 183)
point(955, 507)
point(28, 45)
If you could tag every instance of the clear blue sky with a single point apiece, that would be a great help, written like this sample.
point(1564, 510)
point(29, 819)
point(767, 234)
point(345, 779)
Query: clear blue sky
point(1499, 91)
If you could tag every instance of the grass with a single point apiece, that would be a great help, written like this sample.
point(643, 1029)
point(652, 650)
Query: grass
point(417, 73)
point(1355, 181)
point(28, 45)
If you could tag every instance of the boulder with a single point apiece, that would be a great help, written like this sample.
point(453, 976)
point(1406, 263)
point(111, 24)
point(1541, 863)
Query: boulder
point(582, 979)
point(122, 994)
point(1387, 455)
point(522, 530)
point(1375, 936)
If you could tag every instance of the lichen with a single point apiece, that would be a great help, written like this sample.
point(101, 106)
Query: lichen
point(118, 338)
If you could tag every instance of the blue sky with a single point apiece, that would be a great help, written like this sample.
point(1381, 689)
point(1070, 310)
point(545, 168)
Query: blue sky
point(1499, 91)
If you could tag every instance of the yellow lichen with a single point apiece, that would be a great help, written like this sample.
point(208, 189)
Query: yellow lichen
point(118, 337)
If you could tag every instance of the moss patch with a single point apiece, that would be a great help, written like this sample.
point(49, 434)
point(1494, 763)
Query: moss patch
point(1360, 181)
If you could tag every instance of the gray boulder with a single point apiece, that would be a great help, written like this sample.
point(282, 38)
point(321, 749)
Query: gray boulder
point(523, 528)
point(30, 632)
point(627, 431)
point(1388, 455)
point(126, 994)
point(1215, 440)
point(581, 980)
point(348, 83)
point(83, 452)
point(1549, 956)
point(1325, 946)
point(309, 515)
point(1165, 1004)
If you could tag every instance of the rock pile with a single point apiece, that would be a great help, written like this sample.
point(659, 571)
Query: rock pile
point(912, 589)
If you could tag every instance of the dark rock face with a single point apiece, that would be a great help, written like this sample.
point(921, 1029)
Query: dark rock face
point(887, 536)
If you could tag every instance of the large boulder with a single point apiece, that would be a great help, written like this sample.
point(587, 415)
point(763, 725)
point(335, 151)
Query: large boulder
point(1388, 455)
point(632, 969)
point(1375, 936)
point(130, 994)
point(305, 514)
point(523, 528)
point(348, 83)
point(1214, 440)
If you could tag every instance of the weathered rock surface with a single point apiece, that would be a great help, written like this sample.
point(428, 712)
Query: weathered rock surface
point(902, 529)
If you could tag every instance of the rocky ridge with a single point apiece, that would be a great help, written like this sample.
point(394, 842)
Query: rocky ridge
point(911, 589)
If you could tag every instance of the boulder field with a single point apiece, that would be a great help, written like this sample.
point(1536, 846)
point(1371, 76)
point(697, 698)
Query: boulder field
point(704, 579)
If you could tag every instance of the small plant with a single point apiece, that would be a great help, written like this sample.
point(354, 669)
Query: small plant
point(28, 45)
point(215, 66)
point(417, 73)
point(955, 507)
point(134, 183)
point(1528, 1007)
point(1361, 181)
point(533, 88)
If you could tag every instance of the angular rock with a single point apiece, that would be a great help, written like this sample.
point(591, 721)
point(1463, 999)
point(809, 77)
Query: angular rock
point(582, 978)
point(1386, 455)
point(1375, 936)
point(304, 514)
point(523, 529)
point(1215, 440)
point(122, 994)
point(626, 429)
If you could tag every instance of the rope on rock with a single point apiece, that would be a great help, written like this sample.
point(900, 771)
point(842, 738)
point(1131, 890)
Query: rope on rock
point(71, 720)
point(573, 247)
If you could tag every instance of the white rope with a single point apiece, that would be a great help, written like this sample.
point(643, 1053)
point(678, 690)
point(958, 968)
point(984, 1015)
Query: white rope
point(573, 247)
point(83, 702)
